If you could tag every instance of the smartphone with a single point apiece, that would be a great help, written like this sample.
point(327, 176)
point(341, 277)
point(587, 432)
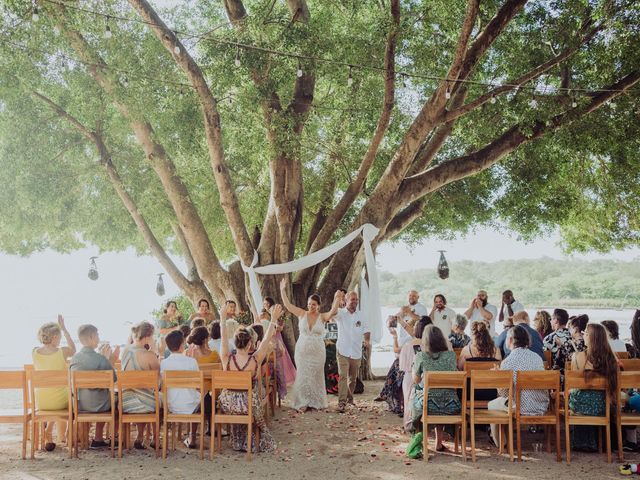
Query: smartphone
point(392, 321)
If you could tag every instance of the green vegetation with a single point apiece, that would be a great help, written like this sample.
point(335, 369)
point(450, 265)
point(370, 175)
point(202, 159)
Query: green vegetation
point(536, 283)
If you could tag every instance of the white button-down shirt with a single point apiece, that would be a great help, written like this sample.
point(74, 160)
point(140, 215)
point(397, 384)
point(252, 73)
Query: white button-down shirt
point(476, 316)
point(420, 310)
point(443, 319)
point(351, 330)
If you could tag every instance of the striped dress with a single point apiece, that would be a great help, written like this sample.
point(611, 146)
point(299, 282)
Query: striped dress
point(136, 400)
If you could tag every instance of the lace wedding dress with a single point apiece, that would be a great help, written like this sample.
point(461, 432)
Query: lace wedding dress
point(309, 389)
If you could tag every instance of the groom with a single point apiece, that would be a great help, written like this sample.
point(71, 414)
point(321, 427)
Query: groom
point(353, 332)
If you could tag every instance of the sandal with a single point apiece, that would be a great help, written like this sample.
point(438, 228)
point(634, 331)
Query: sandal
point(49, 446)
point(139, 445)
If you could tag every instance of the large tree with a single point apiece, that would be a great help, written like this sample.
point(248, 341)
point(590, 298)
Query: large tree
point(213, 129)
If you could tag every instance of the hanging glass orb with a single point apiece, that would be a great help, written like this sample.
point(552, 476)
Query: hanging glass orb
point(93, 269)
point(160, 285)
point(443, 266)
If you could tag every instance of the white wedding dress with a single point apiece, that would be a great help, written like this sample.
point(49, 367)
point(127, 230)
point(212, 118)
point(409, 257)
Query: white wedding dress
point(309, 389)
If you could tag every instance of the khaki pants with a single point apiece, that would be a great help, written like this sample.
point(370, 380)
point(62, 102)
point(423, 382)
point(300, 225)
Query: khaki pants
point(348, 369)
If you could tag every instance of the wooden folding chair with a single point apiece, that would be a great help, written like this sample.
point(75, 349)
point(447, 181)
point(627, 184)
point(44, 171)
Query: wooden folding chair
point(102, 379)
point(206, 369)
point(626, 380)
point(498, 379)
point(630, 364)
point(548, 380)
point(40, 379)
point(471, 366)
point(548, 359)
point(232, 380)
point(182, 379)
point(453, 380)
point(264, 390)
point(138, 379)
point(576, 380)
point(17, 380)
point(622, 355)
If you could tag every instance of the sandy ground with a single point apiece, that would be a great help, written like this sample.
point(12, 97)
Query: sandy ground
point(364, 443)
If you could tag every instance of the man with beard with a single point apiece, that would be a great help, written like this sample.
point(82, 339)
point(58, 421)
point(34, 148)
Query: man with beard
point(411, 313)
point(441, 315)
point(481, 309)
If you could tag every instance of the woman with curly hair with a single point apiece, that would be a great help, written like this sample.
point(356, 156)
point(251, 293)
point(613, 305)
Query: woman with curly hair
point(542, 323)
point(481, 349)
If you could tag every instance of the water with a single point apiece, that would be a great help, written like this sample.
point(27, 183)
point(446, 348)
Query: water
point(17, 353)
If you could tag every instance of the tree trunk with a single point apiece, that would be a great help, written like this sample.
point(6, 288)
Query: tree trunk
point(365, 372)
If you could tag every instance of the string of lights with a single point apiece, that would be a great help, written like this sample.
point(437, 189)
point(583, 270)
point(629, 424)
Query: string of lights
point(299, 57)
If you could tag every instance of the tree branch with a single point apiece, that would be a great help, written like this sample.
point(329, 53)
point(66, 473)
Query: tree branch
point(449, 171)
point(226, 190)
point(402, 220)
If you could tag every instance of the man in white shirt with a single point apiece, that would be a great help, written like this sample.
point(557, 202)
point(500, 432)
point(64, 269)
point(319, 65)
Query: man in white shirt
point(353, 333)
point(411, 313)
point(509, 306)
point(181, 400)
point(441, 315)
point(481, 309)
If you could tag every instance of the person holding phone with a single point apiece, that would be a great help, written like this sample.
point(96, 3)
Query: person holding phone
point(410, 313)
point(481, 309)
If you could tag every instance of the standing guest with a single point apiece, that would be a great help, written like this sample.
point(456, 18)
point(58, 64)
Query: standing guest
point(521, 358)
point(186, 331)
point(236, 402)
point(203, 311)
point(392, 389)
point(228, 320)
point(407, 356)
point(197, 322)
point(521, 318)
point(481, 309)
point(285, 369)
point(597, 360)
point(435, 356)
point(353, 334)
point(542, 323)
point(94, 400)
point(214, 337)
point(441, 315)
point(634, 347)
point(199, 340)
point(138, 356)
point(170, 319)
point(509, 305)
point(458, 338)
point(616, 344)
point(182, 401)
point(481, 348)
point(410, 313)
point(559, 341)
point(50, 356)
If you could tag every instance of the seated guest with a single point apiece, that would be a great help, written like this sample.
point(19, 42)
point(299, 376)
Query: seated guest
point(576, 327)
point(203, 312)
point(171, 318)
point(199, 339)
point(441, 315)
point(138, 356)
point(481, 309)
point(197, 322)
point(183, 401)
point(214, 337)
point(458, 338)
point(501, 340)
point(50, 356)
point(235, 402)
point(597, 360)
point(616, 344)
point(542, 323)
point(522, 318)
point(434, 357)
point(521, 358)
point(407, 357)
point(94, 400)
point(634, 347)
point(481, 348)
point(559, 341)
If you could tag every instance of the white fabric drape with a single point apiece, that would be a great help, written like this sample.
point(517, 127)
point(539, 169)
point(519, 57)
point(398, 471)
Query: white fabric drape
point(371, 305)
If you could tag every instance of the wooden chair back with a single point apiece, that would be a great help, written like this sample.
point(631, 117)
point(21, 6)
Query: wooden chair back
point(630, 364)
point(182, 379)
point(17, 380)
point(626, 380)
point(485, 379)
point(548, 359)
point(575, 379)
point(622, 355)
point(489, 365)
point(138, 379)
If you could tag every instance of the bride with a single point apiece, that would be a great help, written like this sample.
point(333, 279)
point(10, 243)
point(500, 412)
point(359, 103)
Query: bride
point(309, 391)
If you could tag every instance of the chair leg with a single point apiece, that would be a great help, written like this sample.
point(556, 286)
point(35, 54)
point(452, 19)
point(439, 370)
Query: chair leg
point(164, 439)
point(122, 437)
point(510, 439)
point(456, 439)
point(425, 441)
point(34, 439)
point(500, 442)
point(547, 434)
point(567, 436)
point(519, 440)
point(607, 431)
point(463, 439)
point(619, 434)
point(74, 428)
point(558, 446)
point(249, 439)
point(202, 436)
point(473, 441)
point(599, 439)
point(25, 430)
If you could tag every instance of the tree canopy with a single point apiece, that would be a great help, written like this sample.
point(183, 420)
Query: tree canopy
point(210, 129)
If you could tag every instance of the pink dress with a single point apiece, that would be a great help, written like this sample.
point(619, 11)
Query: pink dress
point(407, 356)
point(286, 370)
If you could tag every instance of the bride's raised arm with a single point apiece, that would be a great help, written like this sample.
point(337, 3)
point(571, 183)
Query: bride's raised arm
point(327, 316)
point(297, 311)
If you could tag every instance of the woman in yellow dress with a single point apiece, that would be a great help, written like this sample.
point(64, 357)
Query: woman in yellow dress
point(51, 357)
point(199, 341)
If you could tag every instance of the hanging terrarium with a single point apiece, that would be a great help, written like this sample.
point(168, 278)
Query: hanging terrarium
point(160, 285)
point(443, 266)
point(93, 269)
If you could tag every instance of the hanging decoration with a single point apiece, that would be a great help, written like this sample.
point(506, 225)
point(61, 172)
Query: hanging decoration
point(443, 266)
point(93, 269)
point(160, 285)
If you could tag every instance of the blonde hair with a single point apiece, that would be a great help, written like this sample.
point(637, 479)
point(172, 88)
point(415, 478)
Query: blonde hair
point(47, 332)
point(142, 330)
point(86, 331)
point(521, 317)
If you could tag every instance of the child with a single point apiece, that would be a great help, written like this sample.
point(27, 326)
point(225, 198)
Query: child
point(94, 400)
point(181, 400)
point(458, 338)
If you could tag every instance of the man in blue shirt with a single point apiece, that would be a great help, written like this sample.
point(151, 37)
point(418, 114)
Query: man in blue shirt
point(521, 318)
